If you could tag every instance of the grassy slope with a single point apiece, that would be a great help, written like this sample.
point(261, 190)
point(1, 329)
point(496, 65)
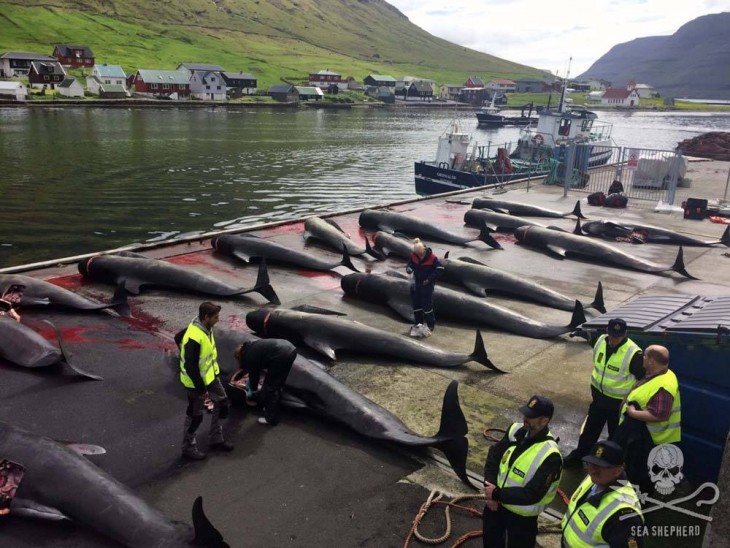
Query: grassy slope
point(269, 38)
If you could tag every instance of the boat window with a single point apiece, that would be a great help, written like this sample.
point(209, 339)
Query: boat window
point(586, 125)
point(564, 128)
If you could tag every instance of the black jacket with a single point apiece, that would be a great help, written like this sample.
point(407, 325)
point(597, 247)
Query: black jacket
point(263, 354)
point(534, 490)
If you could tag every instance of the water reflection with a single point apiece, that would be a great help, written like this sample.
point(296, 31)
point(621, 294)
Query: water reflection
point(82, 180)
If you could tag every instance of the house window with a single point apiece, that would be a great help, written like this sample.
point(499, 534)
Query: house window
point(207, 88)
point(165, 86)
point(46, 78)
point(153, 86)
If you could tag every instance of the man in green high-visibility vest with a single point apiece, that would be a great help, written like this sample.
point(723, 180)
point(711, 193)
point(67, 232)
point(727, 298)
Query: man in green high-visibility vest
point(199, 375)
point(650, 415)
point(521, 477)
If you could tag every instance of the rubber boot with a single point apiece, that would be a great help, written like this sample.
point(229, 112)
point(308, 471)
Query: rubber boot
point(190, 449)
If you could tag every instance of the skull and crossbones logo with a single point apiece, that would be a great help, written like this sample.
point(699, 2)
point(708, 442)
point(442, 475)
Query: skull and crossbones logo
point(665, 464)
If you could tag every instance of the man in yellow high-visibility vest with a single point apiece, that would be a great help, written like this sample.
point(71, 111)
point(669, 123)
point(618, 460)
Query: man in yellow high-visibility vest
point(605, 509)
point(199, 375)
point(650, 415)
point(521, 477)
point(617, 365)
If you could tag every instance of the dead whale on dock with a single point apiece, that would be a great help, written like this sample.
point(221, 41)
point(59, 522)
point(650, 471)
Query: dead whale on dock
point(519, 209)
point(310, 387)
point(57, 484)
point(389, 221)
point(396, 244)
point(639, 234)
point(247, 247)
point(566, 244)
point(42, 293)
point(21, 345)
point(498, 222)
point(483, 280)
point(327, 334)
point(134, 271)
point(393, 290)
point(329, 232)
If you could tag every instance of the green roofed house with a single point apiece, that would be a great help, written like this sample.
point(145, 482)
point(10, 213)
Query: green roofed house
point(106, 75)
point(162, 84)
point(379, 80)
point(309, 93)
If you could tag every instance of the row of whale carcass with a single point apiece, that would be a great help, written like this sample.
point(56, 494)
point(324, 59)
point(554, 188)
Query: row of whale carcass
point(308, 384)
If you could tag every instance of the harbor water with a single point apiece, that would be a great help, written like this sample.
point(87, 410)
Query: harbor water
point(79, 180)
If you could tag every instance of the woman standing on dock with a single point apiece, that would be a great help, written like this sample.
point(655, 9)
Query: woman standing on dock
point(426, 268)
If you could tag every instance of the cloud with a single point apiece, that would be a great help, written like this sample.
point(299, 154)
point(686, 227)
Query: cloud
point(533, 34)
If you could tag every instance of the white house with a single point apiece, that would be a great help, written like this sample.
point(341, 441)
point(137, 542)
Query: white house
point(595, 96)
point(618, 97)
point(644, 90)
point(13, 90)
point(105, 74)
point(208, 86)
point(450, 91)
point(70, 87)
point(501, 85)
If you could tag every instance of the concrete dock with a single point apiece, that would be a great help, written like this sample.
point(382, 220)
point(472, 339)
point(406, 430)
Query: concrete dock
point(308, 482)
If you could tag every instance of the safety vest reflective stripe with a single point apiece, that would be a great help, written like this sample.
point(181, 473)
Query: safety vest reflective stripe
point(583, 525)
point(613, 377)
point(208, 360)
point(514, 476)
point(668, 431)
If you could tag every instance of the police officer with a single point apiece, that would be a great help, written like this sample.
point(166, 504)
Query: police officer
point(604, 510)
point(199, 375)
point(653, 405)
point(521, 477)
point(617, 364)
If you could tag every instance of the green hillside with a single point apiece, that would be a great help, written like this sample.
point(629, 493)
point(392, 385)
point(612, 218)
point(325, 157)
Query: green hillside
point(268, 38)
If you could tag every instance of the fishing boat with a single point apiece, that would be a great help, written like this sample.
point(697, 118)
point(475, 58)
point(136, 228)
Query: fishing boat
point(490, 116)
point(462, 163)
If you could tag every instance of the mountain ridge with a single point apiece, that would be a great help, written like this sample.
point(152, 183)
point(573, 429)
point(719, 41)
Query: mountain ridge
point(692, 62)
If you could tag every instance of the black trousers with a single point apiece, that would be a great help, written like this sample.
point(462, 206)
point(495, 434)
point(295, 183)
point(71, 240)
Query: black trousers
point(422, 300)
point(276, 374)
point(518, 531)
point(600, 412)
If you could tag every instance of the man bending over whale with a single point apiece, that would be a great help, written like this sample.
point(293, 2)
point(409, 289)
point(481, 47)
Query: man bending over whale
point(426, 268)
point(275, 356)
point(199, 374)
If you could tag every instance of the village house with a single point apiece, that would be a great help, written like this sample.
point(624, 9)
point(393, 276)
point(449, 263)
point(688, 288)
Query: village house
point(422, 89)
point(46, 73)
point(598, 84)
point(474, 82)
point(103, 76)
point(239, 83)
point(285, 93)
point(13, 91)
point(619, 97)
point(450, 91)
point(70, 87)
point(645, 91)
point(73, 56)
point(167, 84)
point(206, 81)
point(352, 84)
point(309, 93)
point(324, 78)
point(500, 85)
point(17, 63)
point(535, 85)
point(379, 80)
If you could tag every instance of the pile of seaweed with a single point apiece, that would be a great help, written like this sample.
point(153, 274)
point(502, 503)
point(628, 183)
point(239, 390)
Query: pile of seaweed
point(715, 145)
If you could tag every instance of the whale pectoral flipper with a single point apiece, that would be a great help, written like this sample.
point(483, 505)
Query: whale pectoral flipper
point(131, 285)
point(476, 289)
point(26, 508)
point(321, 346)
point(245, 257)
point(403, 309)
point(559, 251)
point(311, 309)
point(334, 224)
point(73, 367)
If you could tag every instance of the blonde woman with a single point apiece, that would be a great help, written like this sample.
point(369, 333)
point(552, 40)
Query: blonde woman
point(425, 268)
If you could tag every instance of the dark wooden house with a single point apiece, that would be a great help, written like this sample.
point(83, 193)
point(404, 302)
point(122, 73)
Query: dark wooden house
point(239, 83)
point(74, 56)
point(285, 93)
point(380, 80)
point(46, 73)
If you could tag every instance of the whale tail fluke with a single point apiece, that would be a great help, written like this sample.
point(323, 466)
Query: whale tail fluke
point(263, 284)
point(480, 354)
point(370, 251)
point(346, 262)
point(485, 235)
point(452, 433)
point(578, 317)
point(65, 359)
point(725, 239)
point(678, 265)
point(120, 304)
point(576, 211)
point(206, 534)
point(598, 302)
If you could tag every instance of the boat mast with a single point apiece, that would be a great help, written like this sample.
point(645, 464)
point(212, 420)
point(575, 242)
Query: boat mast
point(565, 83)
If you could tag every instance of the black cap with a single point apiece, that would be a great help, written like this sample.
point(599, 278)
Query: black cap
point(538, 406)
point(605, 454)
point(616, 327)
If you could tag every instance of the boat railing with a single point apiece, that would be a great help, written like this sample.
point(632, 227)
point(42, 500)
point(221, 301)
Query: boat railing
point(601, 131)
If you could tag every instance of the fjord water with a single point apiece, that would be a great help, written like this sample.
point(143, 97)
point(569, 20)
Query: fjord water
point(80, 180)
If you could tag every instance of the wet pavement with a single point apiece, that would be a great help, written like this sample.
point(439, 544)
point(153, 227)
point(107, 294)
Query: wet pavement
point(309, 482)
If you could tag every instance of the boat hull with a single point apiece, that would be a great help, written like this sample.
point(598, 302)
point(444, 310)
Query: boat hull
point(433, 179)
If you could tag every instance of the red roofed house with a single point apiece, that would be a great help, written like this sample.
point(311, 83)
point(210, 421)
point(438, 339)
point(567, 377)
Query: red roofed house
point(620, 97)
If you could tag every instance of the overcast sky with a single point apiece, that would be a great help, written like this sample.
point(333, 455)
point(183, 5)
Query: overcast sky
point(545, 35)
